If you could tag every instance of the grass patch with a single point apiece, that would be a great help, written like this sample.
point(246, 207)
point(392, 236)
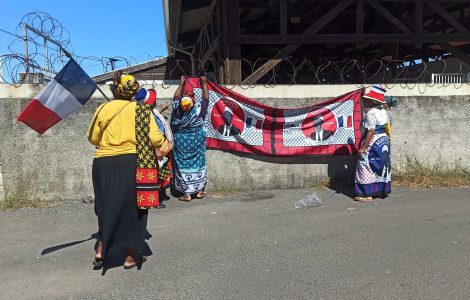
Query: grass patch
point(321, 184)
point(25, 196)
point(415, 173)
point(15, 202)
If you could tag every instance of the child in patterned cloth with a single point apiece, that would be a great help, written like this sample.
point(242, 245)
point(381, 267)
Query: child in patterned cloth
point(165, 169)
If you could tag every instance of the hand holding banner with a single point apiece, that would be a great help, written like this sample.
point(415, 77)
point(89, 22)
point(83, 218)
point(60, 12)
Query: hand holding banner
point(237, 123)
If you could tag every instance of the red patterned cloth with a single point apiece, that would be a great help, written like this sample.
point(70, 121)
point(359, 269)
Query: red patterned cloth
point(165, 173)
point(146, 173)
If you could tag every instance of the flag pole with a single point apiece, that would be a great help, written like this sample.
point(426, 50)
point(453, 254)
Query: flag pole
point(68, 54)
point(107, 99)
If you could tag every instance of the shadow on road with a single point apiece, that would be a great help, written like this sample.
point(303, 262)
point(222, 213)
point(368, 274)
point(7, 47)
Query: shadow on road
point(115, 257)
point(66, 245)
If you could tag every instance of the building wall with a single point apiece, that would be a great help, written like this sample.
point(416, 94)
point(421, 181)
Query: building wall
point(430, 123)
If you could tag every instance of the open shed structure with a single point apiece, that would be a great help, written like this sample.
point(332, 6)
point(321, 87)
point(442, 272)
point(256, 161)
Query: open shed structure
point(242, 41)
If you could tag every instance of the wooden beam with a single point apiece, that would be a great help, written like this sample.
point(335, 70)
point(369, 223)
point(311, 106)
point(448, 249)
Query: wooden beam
point(456, 52)
point(277, 39)
point(220, 41)
point(177, 23)
point(233, 71)
point(211, 50)
point(419, 21)
point(283, 16)
point(341, 6)
point(389, 16)
point(446, 16)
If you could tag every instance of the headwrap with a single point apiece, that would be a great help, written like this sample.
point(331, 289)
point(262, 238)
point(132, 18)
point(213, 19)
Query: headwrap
point(124, 85)
point(186, 103)
point(147, 96)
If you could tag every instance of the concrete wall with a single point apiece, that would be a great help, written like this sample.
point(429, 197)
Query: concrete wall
point(431, 123)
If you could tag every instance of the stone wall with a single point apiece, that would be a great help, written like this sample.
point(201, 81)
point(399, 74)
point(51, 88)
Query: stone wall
point(430, 123)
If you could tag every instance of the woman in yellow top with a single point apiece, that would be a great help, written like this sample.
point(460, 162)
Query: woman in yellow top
point(125, 135)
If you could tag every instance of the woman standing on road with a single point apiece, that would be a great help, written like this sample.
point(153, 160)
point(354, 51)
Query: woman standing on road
point(189, 153)
point(373, 173)
point(124, 170)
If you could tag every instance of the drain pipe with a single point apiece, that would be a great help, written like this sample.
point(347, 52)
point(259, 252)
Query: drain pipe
point(193, 66)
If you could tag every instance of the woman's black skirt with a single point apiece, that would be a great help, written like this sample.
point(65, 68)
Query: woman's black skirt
point(121, 224)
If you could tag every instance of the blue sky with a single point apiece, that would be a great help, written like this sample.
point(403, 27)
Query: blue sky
point(100, 28)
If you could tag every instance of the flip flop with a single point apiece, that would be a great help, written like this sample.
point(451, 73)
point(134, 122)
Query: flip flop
point(200, 195)
point(88, 199)
point(137, 264)
point(363, 199)
point(185, 199)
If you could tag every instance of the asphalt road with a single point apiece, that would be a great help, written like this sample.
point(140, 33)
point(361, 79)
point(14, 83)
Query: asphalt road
point(413, 245)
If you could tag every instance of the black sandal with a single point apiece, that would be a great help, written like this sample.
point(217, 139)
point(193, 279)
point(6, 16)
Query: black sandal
point(98, 263)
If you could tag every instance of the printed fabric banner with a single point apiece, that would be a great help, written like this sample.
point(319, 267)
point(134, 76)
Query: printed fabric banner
point(236, 123)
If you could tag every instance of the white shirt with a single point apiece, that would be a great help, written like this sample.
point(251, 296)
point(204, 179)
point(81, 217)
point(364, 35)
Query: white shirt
point(376, 117)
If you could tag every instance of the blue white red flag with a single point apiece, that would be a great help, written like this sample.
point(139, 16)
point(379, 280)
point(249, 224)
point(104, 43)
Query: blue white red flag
point(70, 89)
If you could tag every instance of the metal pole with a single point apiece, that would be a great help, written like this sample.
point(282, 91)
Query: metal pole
point(26, 26)
point(102, 93)
point(1, 71)
point(46, 54)
point(26, 54)
point(193, 66)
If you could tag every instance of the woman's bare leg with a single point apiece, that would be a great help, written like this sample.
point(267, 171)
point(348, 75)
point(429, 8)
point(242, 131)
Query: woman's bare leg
point(99, 249)
point(130, 257)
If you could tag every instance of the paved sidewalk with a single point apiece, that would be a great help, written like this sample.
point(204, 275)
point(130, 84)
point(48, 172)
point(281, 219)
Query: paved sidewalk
point(413, 245)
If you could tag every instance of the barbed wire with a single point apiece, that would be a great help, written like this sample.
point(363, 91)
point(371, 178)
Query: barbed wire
point(294, 71)
point(287, 72)
point(34, 60)
point(42, 61)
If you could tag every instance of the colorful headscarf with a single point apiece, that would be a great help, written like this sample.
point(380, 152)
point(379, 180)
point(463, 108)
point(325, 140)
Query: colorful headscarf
point(186, 103)
point(147, 96)
point(124, 85)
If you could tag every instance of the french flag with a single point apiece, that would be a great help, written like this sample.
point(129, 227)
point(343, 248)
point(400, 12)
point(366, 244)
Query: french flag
point(253, 123)
point(345, 121)
point(70, 89)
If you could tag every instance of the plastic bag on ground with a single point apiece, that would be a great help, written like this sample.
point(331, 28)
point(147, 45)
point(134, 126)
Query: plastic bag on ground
point(310, 201)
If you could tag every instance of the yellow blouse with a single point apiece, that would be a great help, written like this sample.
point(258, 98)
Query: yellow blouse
point(119, 137)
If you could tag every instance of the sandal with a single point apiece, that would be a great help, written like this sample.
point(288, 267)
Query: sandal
point(200, 195)
point(98, 263)
point(363, 199)
point(88, 199)
point(137, 263)
point(185, 198)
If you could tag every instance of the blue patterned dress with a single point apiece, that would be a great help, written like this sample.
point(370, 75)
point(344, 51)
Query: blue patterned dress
point(189, 151)
point(374, 170)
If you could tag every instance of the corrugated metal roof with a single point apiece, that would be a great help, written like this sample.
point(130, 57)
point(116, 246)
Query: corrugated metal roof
point(192, 14)
point(193, 19)
point(151, 68)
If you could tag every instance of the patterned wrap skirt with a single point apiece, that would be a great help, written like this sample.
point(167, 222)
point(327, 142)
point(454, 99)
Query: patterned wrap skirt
point(189, 153)
point(374, 170)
